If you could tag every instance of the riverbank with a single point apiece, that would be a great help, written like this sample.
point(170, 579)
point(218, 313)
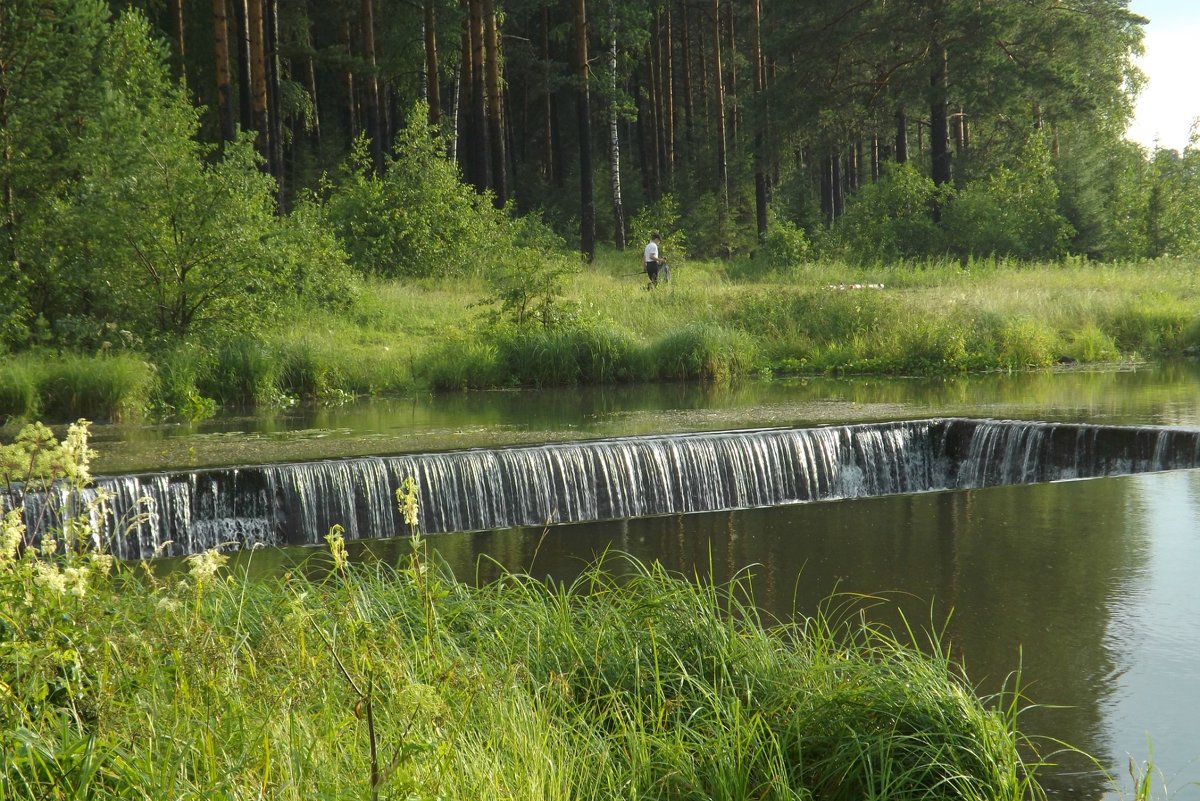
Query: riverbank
point(365, 680)
point(713, 322)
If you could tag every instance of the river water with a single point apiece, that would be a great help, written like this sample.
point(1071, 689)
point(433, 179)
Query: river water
point(1087, 587)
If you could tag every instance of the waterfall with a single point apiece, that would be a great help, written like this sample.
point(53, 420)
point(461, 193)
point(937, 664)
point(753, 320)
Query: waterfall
point(173, 513)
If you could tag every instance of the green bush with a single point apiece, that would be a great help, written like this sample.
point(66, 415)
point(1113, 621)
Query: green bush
point(417, 220)
point(785, 246)
point(888, 220)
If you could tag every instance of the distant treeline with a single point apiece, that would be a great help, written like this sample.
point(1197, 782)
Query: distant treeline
point(163, 161)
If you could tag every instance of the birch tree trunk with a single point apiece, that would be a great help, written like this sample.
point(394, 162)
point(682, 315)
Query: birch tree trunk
point(614, 141)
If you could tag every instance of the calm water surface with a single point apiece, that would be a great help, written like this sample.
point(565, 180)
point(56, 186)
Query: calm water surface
point(1161, 394)
point(1089, 587)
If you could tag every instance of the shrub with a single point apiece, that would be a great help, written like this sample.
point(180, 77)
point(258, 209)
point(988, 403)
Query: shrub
point(418, 219)
point(785, 246)
point(662, 218)
point(889, 220)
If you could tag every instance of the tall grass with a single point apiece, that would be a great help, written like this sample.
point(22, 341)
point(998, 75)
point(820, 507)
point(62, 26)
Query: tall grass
point(115, 387)
point(371, 681)
point(712, 322)
point(18, 389)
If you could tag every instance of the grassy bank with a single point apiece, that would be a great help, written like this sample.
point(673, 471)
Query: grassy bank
point(713, 322)
point(407, 684)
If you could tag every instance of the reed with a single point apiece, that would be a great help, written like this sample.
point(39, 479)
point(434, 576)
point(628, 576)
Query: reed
point(18, 389)
point(246, 371)
point(105, 387)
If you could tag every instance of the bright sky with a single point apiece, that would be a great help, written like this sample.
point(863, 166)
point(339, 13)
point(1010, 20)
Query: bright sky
point(1170, 101)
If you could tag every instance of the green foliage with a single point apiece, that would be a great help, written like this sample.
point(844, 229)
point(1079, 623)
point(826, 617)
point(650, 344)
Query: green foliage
point(180, 371)
point(18, 390)
point(1174, 208)
point(528, 278)
point(1013, 212)
point(889, 220)
point(181, 240)
point(49, 86)
point(785, 246)
point(463, 361)
point(661, 217)
point(418, 219)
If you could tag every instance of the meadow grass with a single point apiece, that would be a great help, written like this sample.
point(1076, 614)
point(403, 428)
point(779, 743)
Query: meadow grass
point(365, 681)
point(713, 322)
point(18, 389)
point(66, 387)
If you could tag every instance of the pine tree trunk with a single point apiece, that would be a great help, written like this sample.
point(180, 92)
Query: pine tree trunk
point(371, 85)
point(689, 104)
point(587, 203)
point(348, 85)
point(549, 171)
point(614, 141)
point(939, 125)
point(495, 104)
point(668, 98)
point(433, 84)
point(221, 58)
point(719, 103)
point(180, 40)
point(901, 136)
point(760, 173)
point(735, 109)
point(477, 130)
point(258, 79)
point(655, 120)
point(241, 18)
point(274, 99)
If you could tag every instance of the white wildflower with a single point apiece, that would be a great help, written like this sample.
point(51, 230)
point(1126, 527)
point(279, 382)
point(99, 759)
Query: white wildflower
point(77, 579)
point(406, 497)
point(76, 454)
point(48, 576)
point(12, 534)
point(203, 567)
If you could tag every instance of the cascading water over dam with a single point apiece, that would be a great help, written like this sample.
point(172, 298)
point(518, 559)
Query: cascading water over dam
point(470, 490)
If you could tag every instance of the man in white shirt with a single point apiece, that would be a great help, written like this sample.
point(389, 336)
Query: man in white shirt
point(654, 262)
